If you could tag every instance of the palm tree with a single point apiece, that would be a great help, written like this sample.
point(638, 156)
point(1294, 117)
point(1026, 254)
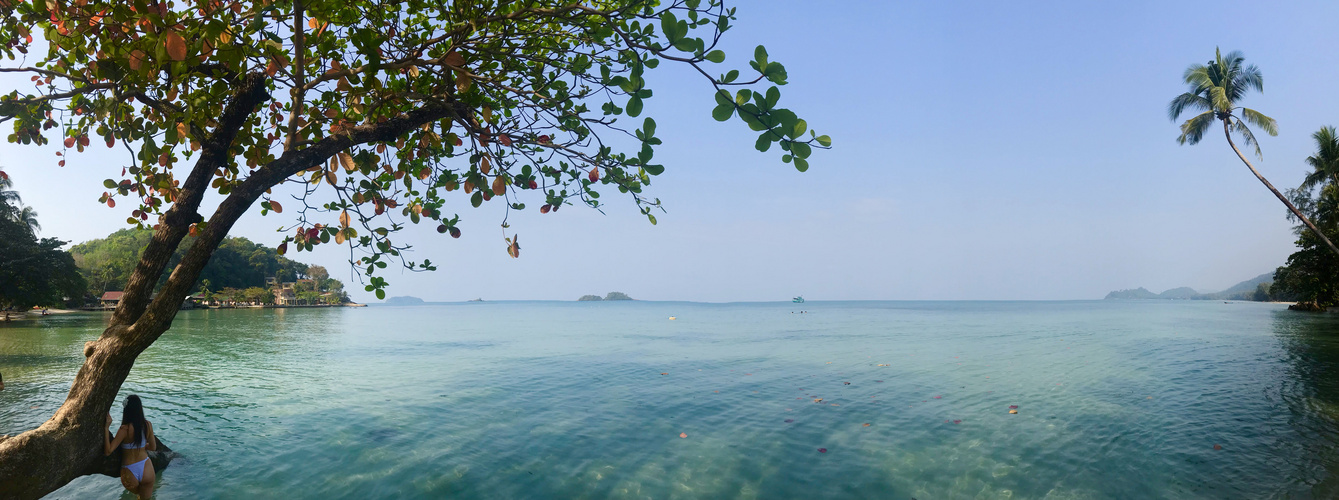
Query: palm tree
point(28, 217)
point(1325, 163)
point(11, 207)
point(1215, 89)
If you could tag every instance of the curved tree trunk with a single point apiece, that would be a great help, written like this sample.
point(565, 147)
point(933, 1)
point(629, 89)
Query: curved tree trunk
point(1228, 132)
point(69, 444)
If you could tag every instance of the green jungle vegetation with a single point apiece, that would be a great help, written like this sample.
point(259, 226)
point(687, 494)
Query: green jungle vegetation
point(33, 271)
point(1311, 274)
point(236, 272)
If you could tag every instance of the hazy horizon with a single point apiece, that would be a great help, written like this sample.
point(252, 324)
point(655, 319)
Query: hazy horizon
point(981, 152)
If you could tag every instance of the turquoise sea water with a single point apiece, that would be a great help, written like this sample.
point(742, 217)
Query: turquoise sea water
point(1115, 400)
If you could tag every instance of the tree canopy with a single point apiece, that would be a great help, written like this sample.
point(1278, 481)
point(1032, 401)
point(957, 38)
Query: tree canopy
point(33, 271)
point(392, 105)
point(1311, 276)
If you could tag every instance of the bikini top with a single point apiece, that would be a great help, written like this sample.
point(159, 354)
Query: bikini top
point(136, 446)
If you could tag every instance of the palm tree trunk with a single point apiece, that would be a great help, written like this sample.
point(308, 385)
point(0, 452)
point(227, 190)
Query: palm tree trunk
point(1284, 199)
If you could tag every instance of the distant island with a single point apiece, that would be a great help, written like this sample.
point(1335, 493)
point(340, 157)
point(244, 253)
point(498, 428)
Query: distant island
point(610, 296)
point(1255, 289)
point(404, 301)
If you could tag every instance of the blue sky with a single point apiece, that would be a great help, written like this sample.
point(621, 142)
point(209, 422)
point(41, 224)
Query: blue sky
point(982, 150)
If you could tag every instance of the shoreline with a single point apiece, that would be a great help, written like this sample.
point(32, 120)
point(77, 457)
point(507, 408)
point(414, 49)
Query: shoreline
point(37, 313)
point(32, 314)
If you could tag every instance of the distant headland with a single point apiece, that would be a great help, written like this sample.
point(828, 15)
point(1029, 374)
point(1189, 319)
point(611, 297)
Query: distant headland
point(404, 301)
point(610, 296)
point(1256, 289)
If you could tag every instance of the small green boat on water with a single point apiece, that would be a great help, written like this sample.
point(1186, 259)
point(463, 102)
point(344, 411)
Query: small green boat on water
point(798, 300)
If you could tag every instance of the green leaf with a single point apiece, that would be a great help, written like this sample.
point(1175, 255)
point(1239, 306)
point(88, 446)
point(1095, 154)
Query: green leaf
point(824, 141)
point(742, 97)
point(649, 127)
point(799, 129)
point(477, 199)
point(652, 218)
point(776, 73)
point(109, 184)
point(723, 98)
point(801, 164)
point(760, 56)
point(716, 56)
point(730, 76)
point(764, 142)
point(800, 149)
point(669, 25)
point(654, 169)
point(381, 294)
point(723, 112)
point(634, 106)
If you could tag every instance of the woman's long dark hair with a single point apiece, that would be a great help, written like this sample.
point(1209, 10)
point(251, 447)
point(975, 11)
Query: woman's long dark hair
point(133, 415)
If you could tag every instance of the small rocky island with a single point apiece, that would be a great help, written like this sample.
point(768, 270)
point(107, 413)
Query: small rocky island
point(611, 296)
point(404, 301)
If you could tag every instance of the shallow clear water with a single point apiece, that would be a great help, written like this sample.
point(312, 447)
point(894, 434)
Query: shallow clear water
point(587, 400)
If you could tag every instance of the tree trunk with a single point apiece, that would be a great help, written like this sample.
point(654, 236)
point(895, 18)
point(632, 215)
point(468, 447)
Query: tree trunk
point(1228, 132)
point(68, 445)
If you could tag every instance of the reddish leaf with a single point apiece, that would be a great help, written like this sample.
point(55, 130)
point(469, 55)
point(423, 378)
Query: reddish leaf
point(1217, 446)
point(111, 203)
point(957, 421)
point(276, 207)
point(866, 424)
point(822, 450)
point(1013, 407)
point(504, 139)
point(176, 46)
point(594, 174)
point(283, 248)
point(683, 434)
point(69, 142)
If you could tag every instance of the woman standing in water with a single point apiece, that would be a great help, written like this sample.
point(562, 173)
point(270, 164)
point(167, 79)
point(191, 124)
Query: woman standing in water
point(135, 437)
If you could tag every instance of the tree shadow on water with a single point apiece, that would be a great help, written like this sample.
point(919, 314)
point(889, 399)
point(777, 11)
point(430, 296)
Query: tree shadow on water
point(1310, 392)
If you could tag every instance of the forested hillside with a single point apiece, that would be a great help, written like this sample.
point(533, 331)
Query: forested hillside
point(238, 263)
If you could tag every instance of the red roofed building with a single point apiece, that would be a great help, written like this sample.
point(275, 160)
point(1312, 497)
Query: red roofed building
point(111, 299)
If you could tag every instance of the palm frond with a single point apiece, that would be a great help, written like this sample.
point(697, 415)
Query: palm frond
point(1325, 162)
point(1219, 98)
point(1314, 178)
point(1267, 124)
point(28, 217)
point(1249, 77)
point(1187, 101)
point(1247, 137)
point(1193, 129)
point(1197, 77)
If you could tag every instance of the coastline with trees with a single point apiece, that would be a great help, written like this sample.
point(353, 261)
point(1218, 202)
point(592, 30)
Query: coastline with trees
point(240, 274)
